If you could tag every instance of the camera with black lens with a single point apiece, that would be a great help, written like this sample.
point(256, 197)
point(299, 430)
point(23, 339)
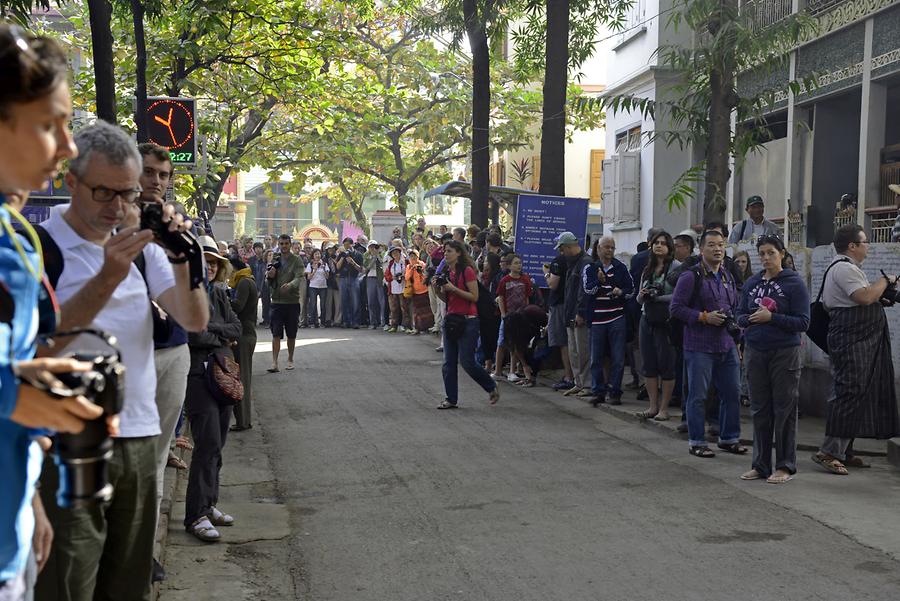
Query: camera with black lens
point(178, 243)
point(731, 326)
point(398, 277)
point(653, 291)
point(441, 279)
point(891, 294)
point(276, 260)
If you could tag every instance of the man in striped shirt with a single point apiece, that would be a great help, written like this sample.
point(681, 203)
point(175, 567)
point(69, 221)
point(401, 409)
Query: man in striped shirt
point(607, 283)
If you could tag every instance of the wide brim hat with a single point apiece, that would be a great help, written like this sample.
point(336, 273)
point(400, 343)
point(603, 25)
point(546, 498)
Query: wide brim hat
point(210, 247)
point(373, 243)
point(393, 248)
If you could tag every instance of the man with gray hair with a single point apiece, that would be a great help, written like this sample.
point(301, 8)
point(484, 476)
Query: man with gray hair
point(105, 550)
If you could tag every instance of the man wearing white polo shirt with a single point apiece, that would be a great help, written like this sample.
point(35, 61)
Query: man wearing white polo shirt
point(104, 551)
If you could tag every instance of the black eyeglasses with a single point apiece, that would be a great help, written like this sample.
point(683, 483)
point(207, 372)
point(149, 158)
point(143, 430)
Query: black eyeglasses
point(104, 194)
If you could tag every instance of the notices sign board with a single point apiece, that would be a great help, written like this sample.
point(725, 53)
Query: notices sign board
point(539, 220)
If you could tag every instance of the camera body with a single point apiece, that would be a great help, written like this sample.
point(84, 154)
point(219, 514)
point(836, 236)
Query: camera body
point(276, 261)
point(441, 279)
point(398, 277)
point(731, 326)
point(177, 242)
point(83, 459)
point(653, 292)
point(891, 294)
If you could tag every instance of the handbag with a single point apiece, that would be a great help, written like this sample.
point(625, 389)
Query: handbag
point(657, 313)
point(818, 316)
point(223, 379)
point(454, 326)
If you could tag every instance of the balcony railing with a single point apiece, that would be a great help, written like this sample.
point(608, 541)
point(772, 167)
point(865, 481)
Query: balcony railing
point(765, 13)
point(817, 7)
point(881, 221)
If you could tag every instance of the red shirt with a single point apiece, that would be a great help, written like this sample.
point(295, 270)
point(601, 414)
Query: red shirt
point(456, 304)
point(515, 292)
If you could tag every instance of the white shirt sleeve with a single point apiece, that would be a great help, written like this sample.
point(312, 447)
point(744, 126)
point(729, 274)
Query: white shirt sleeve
point(160, 276)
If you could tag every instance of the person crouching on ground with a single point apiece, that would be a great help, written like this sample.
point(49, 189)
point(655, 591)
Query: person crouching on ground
point(209, 420)
point(774, 309)
point(458, 287)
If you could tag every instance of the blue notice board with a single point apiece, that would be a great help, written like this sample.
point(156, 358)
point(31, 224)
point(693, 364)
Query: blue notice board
point(539, 220)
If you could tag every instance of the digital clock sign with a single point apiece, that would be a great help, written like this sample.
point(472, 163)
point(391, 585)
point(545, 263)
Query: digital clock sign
point(171, 124)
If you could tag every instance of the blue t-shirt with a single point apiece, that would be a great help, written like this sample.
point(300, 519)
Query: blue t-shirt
point(20, 456)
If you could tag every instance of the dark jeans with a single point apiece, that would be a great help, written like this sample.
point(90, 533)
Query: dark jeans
point(375, 292)
point(266, 302)
point(349, 301)
point(608, 340)
point(774, 383)
point(316, 295)
point(362, 309)
point(463, 352)
point(723, 370)
point(209, 425)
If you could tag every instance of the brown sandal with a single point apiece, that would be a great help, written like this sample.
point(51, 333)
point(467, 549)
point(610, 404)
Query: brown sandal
point(832, 464)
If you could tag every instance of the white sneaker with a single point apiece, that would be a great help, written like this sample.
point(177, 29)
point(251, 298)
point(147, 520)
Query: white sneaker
point(512, 377)
point(386, 328)
point(401, 329)
point(497, 376)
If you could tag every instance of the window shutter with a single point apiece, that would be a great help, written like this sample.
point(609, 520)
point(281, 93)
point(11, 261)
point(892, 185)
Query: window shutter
point(608, 199)
point(597, 157)
point(628, 177)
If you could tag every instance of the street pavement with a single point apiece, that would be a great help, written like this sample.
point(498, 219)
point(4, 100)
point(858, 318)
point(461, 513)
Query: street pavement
point(351, 486)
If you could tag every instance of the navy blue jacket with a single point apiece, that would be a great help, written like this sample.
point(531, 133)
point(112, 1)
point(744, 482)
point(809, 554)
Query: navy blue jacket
point(621, 279)
point(789, 292)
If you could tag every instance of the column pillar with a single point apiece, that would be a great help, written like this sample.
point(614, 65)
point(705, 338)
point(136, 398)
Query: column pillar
point(872, 122)
point(733, 189)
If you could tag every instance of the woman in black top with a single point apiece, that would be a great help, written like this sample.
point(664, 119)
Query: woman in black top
point(245, 297)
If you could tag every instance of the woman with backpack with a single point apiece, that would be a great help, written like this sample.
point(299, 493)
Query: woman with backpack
point(457, 285)
point(657, 352)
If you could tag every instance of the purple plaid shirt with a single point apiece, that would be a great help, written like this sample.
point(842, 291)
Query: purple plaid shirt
point(717, 293)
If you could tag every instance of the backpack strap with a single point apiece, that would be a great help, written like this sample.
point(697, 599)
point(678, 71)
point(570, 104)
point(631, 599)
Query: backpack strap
point(743, 229)
point(53, 257)
point(822, 285)
point(698, 281)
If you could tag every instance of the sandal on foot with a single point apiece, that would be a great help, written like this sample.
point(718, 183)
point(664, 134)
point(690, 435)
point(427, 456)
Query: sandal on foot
point(220, 519)
point(751, 475)
point(447, 405)
point(183, 443)
point(661, 417)
point(832, 464)
point(734, 448)
point(176, 462)
point(779, 478)
point(290, 366)
point(646, 414)
point(273, 370)
point(204, 530)
point(495, 396)
point(704, 452)
point(856, 461)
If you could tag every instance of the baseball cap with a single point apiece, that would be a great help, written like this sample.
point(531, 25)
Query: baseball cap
point(566, 238)
point(754, 200)
point(373, 243)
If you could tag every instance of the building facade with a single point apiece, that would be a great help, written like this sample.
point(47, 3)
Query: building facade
point(841, 137)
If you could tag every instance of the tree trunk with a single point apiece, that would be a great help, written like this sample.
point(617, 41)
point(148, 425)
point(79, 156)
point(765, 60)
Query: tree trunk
point(140, 91)
point(207, 197)
point(718, 146)
point(481, 107)
point(355, 205)
point(104, 68)
point(556, 76)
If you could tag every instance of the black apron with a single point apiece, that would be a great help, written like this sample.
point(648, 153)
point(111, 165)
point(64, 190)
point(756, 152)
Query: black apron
point(864, 404)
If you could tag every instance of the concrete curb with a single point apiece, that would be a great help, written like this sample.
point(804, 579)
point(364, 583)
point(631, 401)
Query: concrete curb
point(171, 484)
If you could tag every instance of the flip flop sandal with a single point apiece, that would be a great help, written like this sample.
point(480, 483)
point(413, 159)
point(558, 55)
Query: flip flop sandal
point(447, 405)
point(704, 452)
point(290, 367)
point(183, 443)
point(495, 396)
point(273, 370)
point(779, 479)
point(176, 462)
point(661, 418)
point(646, 414)
point(734, 448)
point(203, 529)
point(832, 464)
point(857, 462)
point(751, 475)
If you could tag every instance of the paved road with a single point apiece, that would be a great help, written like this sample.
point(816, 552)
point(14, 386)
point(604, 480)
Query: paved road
point(389, 499)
